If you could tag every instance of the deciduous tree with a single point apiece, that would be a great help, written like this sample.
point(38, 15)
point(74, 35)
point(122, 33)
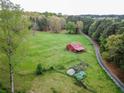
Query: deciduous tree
point(13, 26)
point(70, 27)
point(115, 45)
point(55, 24)
point(79, 26)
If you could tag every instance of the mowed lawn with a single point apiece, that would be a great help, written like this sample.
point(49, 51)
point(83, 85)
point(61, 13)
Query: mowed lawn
point(49, 49)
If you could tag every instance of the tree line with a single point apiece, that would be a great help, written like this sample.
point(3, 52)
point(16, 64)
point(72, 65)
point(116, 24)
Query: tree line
point(108, 32)
point(52, 22)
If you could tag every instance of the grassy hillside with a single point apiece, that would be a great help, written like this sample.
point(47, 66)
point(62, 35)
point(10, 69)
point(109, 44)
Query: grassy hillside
point(49, 50)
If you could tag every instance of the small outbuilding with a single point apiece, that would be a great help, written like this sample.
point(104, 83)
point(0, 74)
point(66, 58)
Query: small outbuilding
point(75, 47)
point(71, 72)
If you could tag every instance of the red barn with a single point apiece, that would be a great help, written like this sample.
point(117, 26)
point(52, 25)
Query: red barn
point(75, 47)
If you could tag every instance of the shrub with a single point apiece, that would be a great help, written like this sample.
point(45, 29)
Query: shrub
point(21, 91)
point(54, 91)
point(39, 69)
point(106, 56)
point(51, 68)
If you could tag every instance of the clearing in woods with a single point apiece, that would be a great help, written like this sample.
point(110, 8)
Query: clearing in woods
point(49, 50)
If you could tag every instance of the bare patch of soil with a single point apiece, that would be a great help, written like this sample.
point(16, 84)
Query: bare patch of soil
point(116, 70)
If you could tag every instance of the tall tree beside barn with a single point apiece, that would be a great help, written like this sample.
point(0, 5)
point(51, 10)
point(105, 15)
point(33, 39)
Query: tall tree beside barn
point(79, 26)
point(13, 27)
point(62, 22)
point(55, 24)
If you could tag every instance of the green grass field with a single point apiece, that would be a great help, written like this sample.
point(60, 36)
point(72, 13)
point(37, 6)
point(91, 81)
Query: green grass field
point(49, 50)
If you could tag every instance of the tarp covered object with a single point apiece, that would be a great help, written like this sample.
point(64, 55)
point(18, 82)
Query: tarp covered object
point(80, 75)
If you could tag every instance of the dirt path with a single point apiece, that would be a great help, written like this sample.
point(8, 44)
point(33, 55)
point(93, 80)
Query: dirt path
point(117, 71)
